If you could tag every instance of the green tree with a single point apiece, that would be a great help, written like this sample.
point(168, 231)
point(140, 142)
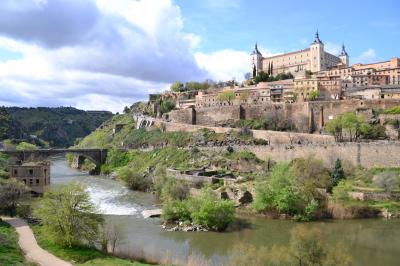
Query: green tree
point(177, 86)
point(12, 192)
point(314, 95)
point(254, 71)
point(353, 125)
point(166, 106)
point(226, 96)
point(126, 110)
point(69, 216)
point(279, 192)
point(26, 146)
point(261, 77)
point(337, 174)
point(335, 127)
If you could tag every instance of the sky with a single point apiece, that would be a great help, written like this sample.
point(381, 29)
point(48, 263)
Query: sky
point(104, 55)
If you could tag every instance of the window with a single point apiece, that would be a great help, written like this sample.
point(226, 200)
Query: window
point(30, 181)
point(31, 171)
point(15, 172)
point(37, 181)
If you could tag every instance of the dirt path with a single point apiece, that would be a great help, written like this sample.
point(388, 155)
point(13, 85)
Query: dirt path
point(29, 246)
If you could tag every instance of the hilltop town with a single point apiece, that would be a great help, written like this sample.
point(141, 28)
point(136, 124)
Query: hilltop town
point(308, 88)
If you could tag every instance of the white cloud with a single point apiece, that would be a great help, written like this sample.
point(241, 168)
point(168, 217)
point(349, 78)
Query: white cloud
point(367, 56)
point(225, 65)
point(93, 52)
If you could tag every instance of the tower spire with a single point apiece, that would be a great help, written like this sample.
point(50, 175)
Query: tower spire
point(343, 50)
point(316, 39)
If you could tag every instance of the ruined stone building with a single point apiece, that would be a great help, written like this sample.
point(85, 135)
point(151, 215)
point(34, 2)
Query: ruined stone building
point(35, 175)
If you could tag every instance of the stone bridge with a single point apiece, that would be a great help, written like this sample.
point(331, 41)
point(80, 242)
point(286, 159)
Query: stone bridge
point(97, 156)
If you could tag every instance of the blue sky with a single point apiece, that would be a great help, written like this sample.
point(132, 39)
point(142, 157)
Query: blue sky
point(290, 25)
point(102, 54)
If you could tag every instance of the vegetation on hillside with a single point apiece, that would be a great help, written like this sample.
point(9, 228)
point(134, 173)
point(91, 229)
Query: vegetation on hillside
point(57, 126)
point(352, 127)
point(392, 111)
point(9, 128)
point(130, 137)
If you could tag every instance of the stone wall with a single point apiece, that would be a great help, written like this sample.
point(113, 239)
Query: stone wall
point(306, 116)
point(273, 137)
point(368, 155)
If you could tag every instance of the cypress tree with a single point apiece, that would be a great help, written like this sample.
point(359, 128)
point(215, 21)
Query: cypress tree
point(337, 174)
point(272, 66)
point(254, 71)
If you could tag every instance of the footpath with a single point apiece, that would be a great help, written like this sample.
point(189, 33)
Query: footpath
point(32, 251)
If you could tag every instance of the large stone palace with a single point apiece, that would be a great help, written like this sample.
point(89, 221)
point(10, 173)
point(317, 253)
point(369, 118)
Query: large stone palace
point(313, 59)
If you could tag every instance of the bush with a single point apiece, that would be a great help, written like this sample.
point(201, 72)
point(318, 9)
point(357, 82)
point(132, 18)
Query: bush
point(394, 110)
point(386, 180)
point(206, 210)
point(213, 213)
point(176, 211)
point(340, 192)
point(174, 190)
point(26, 146)
point(279, 192)
point(133, 179)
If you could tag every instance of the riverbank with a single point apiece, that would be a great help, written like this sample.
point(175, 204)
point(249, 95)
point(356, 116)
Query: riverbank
point(81, 256)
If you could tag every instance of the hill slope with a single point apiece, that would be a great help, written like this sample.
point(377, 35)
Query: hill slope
point(59, 126)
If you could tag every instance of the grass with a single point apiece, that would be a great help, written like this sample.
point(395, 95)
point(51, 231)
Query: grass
point(10, 254)
point(111, 262)
point(80, 255)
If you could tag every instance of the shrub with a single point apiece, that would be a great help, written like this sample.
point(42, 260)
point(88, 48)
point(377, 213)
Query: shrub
point(213, 213)
point(133, 179)
point(394, 110)
point(174, 190)
point(386, 180)
point(12, 192)
point(279, 192)
point(26, 146)
point(340, 192)
point(205, 209)
point(176, 211)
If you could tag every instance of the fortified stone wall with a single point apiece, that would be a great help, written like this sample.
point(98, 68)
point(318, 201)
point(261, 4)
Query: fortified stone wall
point(273, 137)
point(307, 116)
point(368, 155)
point(217, 115)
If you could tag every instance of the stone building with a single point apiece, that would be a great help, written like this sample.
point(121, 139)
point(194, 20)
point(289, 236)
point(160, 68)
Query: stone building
point(262, 93)
point(313, 59)
point(35, 175)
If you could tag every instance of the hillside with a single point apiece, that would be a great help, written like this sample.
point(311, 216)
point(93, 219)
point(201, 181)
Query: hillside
point(58, 126)
point(9, 128)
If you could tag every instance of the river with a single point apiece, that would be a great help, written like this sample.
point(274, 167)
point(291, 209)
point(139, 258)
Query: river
point(368, 242)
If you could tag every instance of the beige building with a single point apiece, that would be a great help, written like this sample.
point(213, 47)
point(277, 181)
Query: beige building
point(262, 93)
point(313, 59)
point(35, 175)
point(303, 88)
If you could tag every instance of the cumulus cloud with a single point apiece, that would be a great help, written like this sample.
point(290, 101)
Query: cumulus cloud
point(225, 65)
point(75, 51)
point(101, 54)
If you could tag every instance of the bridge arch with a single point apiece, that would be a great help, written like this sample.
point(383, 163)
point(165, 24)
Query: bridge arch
point(97, 156)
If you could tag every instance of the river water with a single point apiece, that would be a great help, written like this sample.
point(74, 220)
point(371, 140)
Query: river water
point(368, 242)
